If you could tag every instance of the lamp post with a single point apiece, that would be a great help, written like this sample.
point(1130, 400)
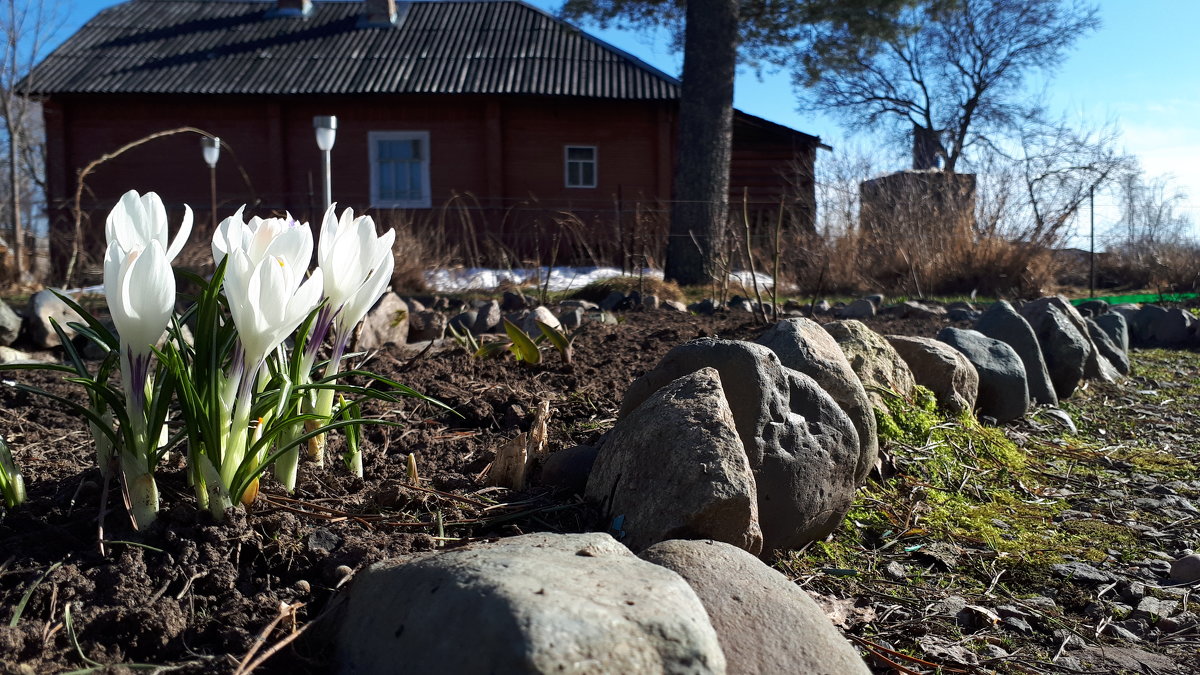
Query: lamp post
point(211, 146)
point(326, 126)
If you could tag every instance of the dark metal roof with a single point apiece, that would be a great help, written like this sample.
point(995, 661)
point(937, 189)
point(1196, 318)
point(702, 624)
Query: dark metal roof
point(435, 47)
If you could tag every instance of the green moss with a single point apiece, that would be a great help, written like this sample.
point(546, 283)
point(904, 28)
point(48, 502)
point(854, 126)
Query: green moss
point(907, 421)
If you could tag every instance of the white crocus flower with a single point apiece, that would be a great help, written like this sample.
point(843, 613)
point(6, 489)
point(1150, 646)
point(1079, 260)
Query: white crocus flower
point(358, 266)
point(259, 238)
point(268, 300)
point(139, 287)
point(137, 220)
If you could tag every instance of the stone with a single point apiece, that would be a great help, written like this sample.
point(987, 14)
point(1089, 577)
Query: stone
point(802, 345)
point(651, 302)
point(739, 304)
point(1095, 367)
point(487, 318)
point(765, 623)
point(463, 322)
point(1170, 328)
point(802, 447)
point(941, 369)
point(705, 306)
point(536, 603)
point(1081, 572)
point(675, 306)
point(960, 314)
point(875, 299)
point(1186, 570)
point(1063, 346)
point(10, 325)
point(568, 469)
point(512, 302)
point(1116, 327)
point(874, 361)
point(674, 467)
point(859, 309)
point(44, 306)
point(821, 307)
point(581, 304)
point(612, 301)
point(426, 325)
point(386, 323)
point(1002, 322)
point(10, 356)
point(571, 318)
point(911, 309)
point(1093, 308)
point(528, 321)
point(1109, 350)
point(1003, 392)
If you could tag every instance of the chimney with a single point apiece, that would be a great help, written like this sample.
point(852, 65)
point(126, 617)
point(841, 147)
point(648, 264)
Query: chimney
point(299, 8)
point(379, 12)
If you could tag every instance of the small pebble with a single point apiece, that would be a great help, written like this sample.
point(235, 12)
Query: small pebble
point(302, 586)
point(342, 571)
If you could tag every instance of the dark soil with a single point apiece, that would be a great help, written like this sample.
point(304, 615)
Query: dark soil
point(206, 596)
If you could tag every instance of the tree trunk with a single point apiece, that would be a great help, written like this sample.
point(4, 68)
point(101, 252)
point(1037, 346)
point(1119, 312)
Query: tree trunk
point(14, 186)
point(701, 194)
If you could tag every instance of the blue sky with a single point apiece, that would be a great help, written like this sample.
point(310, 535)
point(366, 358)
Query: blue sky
point(1141, 69)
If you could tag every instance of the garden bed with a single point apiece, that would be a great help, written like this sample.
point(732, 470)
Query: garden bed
point(206, 596)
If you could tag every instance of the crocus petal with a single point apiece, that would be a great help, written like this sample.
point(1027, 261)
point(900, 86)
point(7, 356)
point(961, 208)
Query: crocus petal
point(143, 296)
point(228, 235)
point(185, 229)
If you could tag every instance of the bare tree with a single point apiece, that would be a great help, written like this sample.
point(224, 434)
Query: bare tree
point(951, 77)
point(25, 28)
point(1150, 215)
point(1057, 167)
point(712, 34)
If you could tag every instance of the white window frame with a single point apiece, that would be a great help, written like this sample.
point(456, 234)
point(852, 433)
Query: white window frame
point(373, 138)
point(567, 165)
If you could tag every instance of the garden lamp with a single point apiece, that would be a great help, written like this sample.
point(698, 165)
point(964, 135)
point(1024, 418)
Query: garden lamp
point(211, 145)
point(326, 126)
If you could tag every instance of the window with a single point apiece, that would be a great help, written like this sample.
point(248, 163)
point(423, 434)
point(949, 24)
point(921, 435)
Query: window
point(580, 166)
point(399, 169)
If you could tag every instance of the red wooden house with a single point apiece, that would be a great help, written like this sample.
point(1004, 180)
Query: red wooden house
point(495, 107)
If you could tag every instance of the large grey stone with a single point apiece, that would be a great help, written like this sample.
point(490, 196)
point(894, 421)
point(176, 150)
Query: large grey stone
point(1095, 367)
point(859, 309)
point(537, 603)
point(386, 323)
point(941, 369)
point(1003, 392)
point(675, 468)
point(1110, 351)
point(10, 324)
point(44, 306)
point(487, 318)
point(874, 360)
point(1093, 308)
point(804, 346)
point(1166, 327)
point(1116, 326)
point(801, 445)
point(1065, 349)
point(1002, 322)
point(1140, 319)
point(425, 325)
point(911, 309)
point(766, 624)
point(527, 321)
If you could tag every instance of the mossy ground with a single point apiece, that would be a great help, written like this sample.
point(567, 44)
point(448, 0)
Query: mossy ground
point(998, 497)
